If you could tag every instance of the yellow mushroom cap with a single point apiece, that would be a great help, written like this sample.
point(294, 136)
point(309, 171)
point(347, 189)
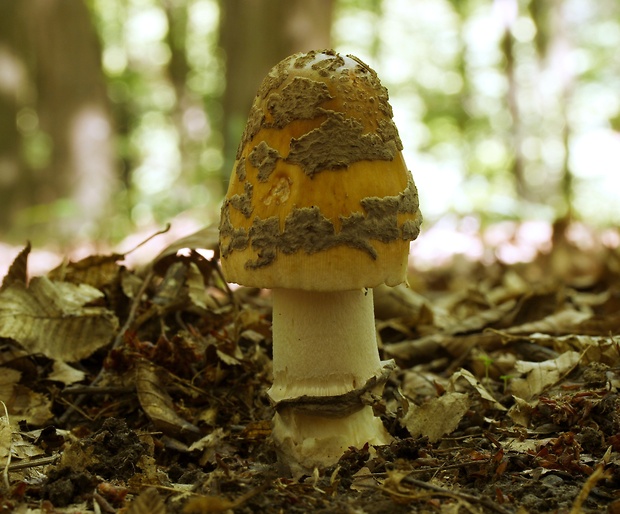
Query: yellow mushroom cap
point(320, 198)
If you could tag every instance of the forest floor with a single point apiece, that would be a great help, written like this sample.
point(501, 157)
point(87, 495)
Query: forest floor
point(143, 391)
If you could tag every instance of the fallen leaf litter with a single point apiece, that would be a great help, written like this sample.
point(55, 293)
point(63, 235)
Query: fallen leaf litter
point(164, 409)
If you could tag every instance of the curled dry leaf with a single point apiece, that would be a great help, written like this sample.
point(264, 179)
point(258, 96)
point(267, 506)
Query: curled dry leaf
point(6, 439)
point(485, 318)
point(51, 318)
point(148, 501)
point(197, 291)
point(437, 417)
point(18, 270)
point(158, 405)
point(211, 446)
point(478, 387)
point(561, 322)
point(22, 402)
point(95, 270)
point(9, 378)
point(541, 375)
point(521, 411)
point(604, 349)
point(62, 372)
point(402, 303)
point(186, 249)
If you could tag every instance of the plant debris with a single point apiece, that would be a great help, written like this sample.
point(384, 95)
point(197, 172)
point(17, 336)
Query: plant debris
point(144, 390)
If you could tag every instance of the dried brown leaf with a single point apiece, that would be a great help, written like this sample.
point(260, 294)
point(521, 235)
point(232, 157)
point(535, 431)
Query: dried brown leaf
point(9, 378)
point(211, 445)
point(157, 403)
point(603, 349)
point(6, 438)
point(95, 270)
point(197, 290)
point(521, 411)
point(476, 385)
point(402, 303)
point(437, 417)
point(51, 318)
point(30, 406)
point(208, 505)
point(485, 318)
point(131, 284)
point(172, 289)
point(558, 323)
point(18, 269)
point(185, 249)
point(541, 375)
point(412, 352)
point(62, 372)
point(23, 403)
point(147, 502)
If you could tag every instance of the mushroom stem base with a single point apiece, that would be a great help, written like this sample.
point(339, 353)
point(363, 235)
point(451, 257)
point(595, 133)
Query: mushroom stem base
point(305, 441)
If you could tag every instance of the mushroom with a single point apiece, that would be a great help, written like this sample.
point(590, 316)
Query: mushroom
point(321, 208)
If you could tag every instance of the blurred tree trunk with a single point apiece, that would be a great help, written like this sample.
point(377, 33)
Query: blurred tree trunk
point(16, 181)
point(255, 35)
point(518, 166)
point(64, 123)
point(73, 109)
point(554, 48)
point(189, 109)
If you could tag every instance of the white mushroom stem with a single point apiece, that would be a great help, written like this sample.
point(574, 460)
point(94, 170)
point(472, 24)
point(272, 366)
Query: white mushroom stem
point(324, 345)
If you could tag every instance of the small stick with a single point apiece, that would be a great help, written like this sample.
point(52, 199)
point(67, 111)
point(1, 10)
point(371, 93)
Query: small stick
point(456, 494)
point(598, 474)
point(117, 341)
point(5, 471)
point(89, 389)
point(43, 461)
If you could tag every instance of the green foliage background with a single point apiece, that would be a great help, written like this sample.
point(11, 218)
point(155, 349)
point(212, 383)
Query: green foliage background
point(508, 109)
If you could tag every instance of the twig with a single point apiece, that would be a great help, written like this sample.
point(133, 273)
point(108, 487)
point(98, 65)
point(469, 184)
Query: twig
point(456, 494)
point(43, 461)
point(132, 314)
point(5, 471)
point(152, 236)
point(597, 475)
point(436, 469)
point(231, 297)
point(117, 342)
point(92, 390)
